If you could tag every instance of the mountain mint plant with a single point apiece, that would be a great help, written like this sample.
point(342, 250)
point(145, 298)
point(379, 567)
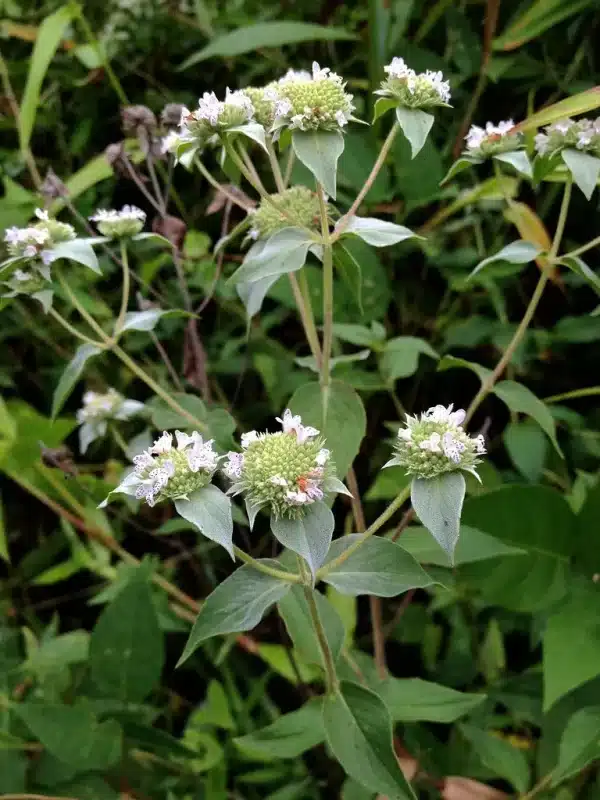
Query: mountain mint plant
point(99, 410)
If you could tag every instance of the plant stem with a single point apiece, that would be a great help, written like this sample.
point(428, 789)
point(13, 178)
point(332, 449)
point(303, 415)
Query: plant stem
point(584, 248)
point(589, 391)
point(331, 678)
point(385, 148)
point(219, 187)
point(26, 153)
point(373, 528)
point(86, 316)
point(250, 167)
point(72, 330)
point(279, 182)
point(325, 371)
point(301, 295)
point(288, 167)
point(489, 383)
point(125, 291)
point(537, 788)
point(119, 440)
point(100, 52)
point(281, 575)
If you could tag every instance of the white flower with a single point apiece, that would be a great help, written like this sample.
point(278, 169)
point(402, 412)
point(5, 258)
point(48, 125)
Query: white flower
point(541, 141)
point(142, 461)
point(237, 108)
point(432, 444)
point(475, 137)
point(277, 480)
point(202, 456)
point(442, 414)
point(42, 215)
point(479, 444)
point(322, 457)
point(248, 438)
point(234, 465)
point(297, 498)
point(163, 444)
point(184, 439)
point(415, 89)
point(293, 424)
point(452, 447)
point(129, 221)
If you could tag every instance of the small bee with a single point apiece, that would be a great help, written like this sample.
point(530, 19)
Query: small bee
point(58, 458)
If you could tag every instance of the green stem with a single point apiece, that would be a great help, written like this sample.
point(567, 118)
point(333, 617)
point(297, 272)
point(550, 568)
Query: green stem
point(115, 433)
point(325, 372)
point(72, 330)
point(331, 677)
point(289, 167)
point(289, 577)
point(279, 182)
point(310, 327)
point(542, 784)
point(102, 57)
point(589, 391)
point(490, 382)
point(82, 311)
point(219, 187)
point(379, 522)
point(125, 291)
point(584, 248)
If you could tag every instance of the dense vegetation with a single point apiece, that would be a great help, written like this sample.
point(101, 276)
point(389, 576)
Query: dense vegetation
point(485, 658)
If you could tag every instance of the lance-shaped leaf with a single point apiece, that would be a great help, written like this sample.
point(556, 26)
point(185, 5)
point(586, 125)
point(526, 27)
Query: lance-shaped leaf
point(320, 151)
point(382, 106)
point(288, 737)
point(461, 164)
point(378, 232)
point(147, 320)
point(78, 250)
point(517, 159)
point(71, 375)
point(522, 400)
point(309, 536)
point(253, 293)
point(210, 511)
point(579, 744)
point(283, 252)
point(438, 504)
point(295, 613)
point(578, 265)
point(584, 168)
point(519, 252)
point(415, 125)
point(237, 604)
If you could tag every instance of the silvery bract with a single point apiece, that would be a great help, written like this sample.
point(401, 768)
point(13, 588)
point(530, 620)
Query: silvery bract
point(98, 410)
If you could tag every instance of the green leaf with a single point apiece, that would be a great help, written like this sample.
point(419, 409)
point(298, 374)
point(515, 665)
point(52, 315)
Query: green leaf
point(358, 728)
point(415, 700)
point(499, 756)
point(518, 252)
point(382, 106)
point(320, 151)
point(252, 130)
point(517, 159)
point(309, 536)
point(126, 647)
point(284, 252)
point(415, 125)
point(209, 509)
point(579, 744)
point(253, 293)
point(461, 164)
point(570, 106)
point(147, 320)
point(4, 554)
point(579, 266)
point(377, 232)
point(571, 642)
point(473, 545)
point(73, 734)
point(345, 422)
point(265, 34)
point(400, 357)
point(71, 375)
point(49, 36)
point(451, 362)
point(438, 504)
point(295, 613)
point(522, 400)
point(584, 168)
point(378, 567)
point(237, 604)
point(215, 710)
point(527, 447)
point(288, 737)
point(77, 250)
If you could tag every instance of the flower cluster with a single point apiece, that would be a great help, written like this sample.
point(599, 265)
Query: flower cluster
point(312, 102)
point(37, 240)
point(264, 100)
point(285, 471)
point(493, 139)
point(98, 410)
point(165, 472)
point(295, 206)
point(583, 134)
point(414, 89)
point(435, 443)
point(129, 221)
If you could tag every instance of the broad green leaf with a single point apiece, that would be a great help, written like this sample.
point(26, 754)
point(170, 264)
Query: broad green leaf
point(400, 356)
point(77, 250)
point(579, 266)
point(253, 131)
point(249, 38)
point(519, 252)
point(415, 700)
point(320, 151)
point(473, 545)
point(517, 159)
point(215, 710)
point(571, 106)
point(438, 504)
point(379, 567)
point(571, 642)
point(13, 770)
point(415, 125)
point(344, 425)
point(63, 650)
point(146, 320)
point(382, 106)
point(358, 729)
point(295, 613)
point(288, 737)
point(284, 252)
point(73, 734)
point(460, 165)
point(309, 536)
point(253, 293)
point(126, 647)
point(71, 375)
point(209, 509)
point(527, 447)
point(584, 168)
point(377, 232)
point(49, 36)
point(522, 400)
point(579, 744)
point(237, 604)
point(499, 756)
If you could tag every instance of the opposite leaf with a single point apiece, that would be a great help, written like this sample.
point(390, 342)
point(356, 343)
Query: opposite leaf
point(519, 252)
point(579, 744)
point(210, 511)
point(71, 375)
point(320, 151)
point(378, 232)
point(438, 504)
point(309, 536)
point(415, 125)
point(283, 252)
point(584, 168)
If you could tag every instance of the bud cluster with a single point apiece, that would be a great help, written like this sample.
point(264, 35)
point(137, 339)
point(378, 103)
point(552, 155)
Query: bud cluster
point(165, 472)
point(312, 102)
point(435, 443)
point(263, 99)
point(285, 471)
point(37, 240)
point(583, 134)
point(21, 282)
point(98, 410)
point(295, 206)
point(493, 139)
point(129, 221)
point(412, 89)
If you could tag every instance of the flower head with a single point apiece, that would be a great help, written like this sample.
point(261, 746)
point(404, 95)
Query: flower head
point(264, 100)
point(129, 221)
point(583, 134)
point(295, 206)
point(285, 471)
point(312, 102)
point(98, 410)
point(493, 139)
point(215, 115)
point(435, 443)
point(36, 241)
point(414, 89)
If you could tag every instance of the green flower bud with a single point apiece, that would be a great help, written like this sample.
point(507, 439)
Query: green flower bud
point(412, 89)
point(263, 99)
point(295, 206)
point(317, 102)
